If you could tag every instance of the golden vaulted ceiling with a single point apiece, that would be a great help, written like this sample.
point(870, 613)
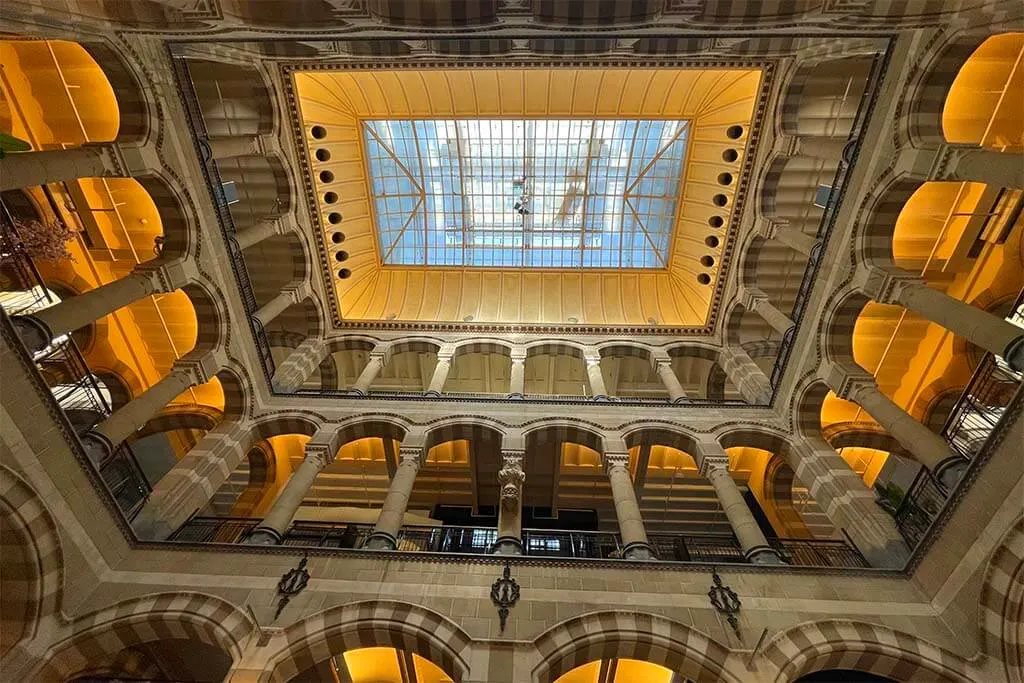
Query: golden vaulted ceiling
point(719, 105)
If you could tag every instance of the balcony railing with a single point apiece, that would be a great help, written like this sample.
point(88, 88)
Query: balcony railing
point(459, 540)
point(61, 365)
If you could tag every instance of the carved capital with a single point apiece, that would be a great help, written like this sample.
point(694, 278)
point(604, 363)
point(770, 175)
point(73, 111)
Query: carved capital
point(411, 456)
point(201, 367)
point(511, 476)
point(710, 463)
point(318, 455)
point(616, 461)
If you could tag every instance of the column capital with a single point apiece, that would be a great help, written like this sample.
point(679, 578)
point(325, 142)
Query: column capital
point(710, 463)
point(168, 276)
point(381, 352)
point(446, 353)
point(884, 285)
point(201, 366)
point(511, 476)
point(843, 381)
point(660, 357)
point(298, 290)
point(750, 297)
point(517, 354)
point(412, 455)
point(591, 356)
point(616, 460)
point(320, 455)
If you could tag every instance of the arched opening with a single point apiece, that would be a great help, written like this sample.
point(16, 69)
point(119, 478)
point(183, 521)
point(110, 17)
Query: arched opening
point(628, 373)
point(618, 671)
point(409, 369)
point(480, 368)
point(555, 369)
point(374, 665)
point(982, 105)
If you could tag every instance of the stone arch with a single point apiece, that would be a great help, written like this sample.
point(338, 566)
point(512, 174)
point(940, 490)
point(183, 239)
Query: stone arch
point(424, 13)
point(275, 263)
point(212, 322)
point(873, 243)
point(561, 430)
point(415, 344)
point(770, 186)
point(856, 645)
point(178, 231)
point(470, 428)
point(117, 381)
point(630, 635)
point(838, 328)
point(371, 623)
point(778, 497)
point(625, 349)
point(756, 436)
point(366, 426)
point(921, 122)
point(808, 408)
point(237, 390)
point(181, 417)
point(195, 616)
point(262, 474)
point(229, 94)
point(861, 435)
point(33, 574)
point(808, 106)
point(1002, 603)
point(751, 256)
point(137, 121)
point(554, 347)
point(283, 423)
point(484, 345)
point(661, 434)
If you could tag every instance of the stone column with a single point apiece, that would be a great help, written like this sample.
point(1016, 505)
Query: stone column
point(102, 439)
point(392, 513)
point(38, 329)
point(979, 327)
point(296, 369)
point(511, 478)
point(276, 306)
point(821, 147)
point(265, 229)
point(848, 502)
point(793, 238)
point(231, 147)
point(517, 374)
point(320, 452)
point(714, 465)
point(378, 359)
point(1002, 169)
point(744, 373)
point(756, 300)
point(28, 169)
point(927, 447)
point(594, 377)
point(190, 484)
point(627, 510)
point(441, 368)
point(663, 366)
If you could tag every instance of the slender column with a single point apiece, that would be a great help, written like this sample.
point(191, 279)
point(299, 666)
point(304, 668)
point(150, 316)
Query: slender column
point(517, 374)
point(821, 147)
point(663, 366)
point(378, 359)
point(441, 368)
point(594, 377)
point(234, 146)
point(745, 375)
point(848, 502)
point(988, 331)
point(714, 465)
point(275, 307)
point(27, 169)
point(511, 478)
point(756, 300)
point(320, 452)
point(385, 532)
point(190, 484)
point(793, 238)
point(927, 447)
point(299, 365)
point(265, 229)
point(40, 328)
point(1002, 169)
point(627, 510)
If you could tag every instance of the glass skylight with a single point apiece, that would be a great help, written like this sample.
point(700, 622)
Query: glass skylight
point(525, 193)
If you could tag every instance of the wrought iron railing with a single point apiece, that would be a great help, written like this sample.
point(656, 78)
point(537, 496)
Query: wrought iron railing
point(924, 501)
point(462, 540)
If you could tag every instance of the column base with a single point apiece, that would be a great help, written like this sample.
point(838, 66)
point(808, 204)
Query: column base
point(98, 447)
point(949, 471)
point(507, 545)
point(762, 554)
point(34, 333)
point(517, 397)
point(638, 551)
point(1014, 354)
point(432, 394)
point(600, 398)
point(681, 399)
point(380, 540)
point(352, 391)
point(263, 535)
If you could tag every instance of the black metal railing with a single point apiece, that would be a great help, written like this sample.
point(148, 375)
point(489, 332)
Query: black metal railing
point(461, 540)
point(924, 501)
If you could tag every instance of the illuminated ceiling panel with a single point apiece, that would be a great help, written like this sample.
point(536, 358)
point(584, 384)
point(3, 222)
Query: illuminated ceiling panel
point(525, 193)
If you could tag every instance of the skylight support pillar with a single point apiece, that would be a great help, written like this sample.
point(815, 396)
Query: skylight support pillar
point(441, 369)
point(793, 238)
point(627, 509)
point(378, 359)
point(511, 479)
point(663, 366)
point(594, 377)
point(392, 513)
point(714, 465)
point(296, 369)
point(265, 229)
point(757, 301)
point(292, 294)
point(517, 373)
point(745, 375)
point(28, 169)
point(320, 452)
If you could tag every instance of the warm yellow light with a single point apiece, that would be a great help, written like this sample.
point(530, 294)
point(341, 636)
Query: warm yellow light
point(450, 453)
point(368, 449)
point(984, 104)
point(587, 673)
point(578, 455)
point(626, 671)
point(667, 458)
point(428, 672)
point(373, 665)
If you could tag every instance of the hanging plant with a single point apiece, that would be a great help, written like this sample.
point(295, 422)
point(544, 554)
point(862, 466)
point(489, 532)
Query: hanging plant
point(44, 241)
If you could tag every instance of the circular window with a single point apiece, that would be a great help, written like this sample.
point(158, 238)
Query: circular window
point(734, 132)
point(716, 221)
point(723, 178)
point(704, 279)
point(332, 197)
point(334, 218)
point(322, 155)
point(328, 177)
point(718, 199)
point(707, 261)
point(338, 237)
point(344, 274)
point(712, 241)
point(318, 132)
point(340, 256)
point(730, 155)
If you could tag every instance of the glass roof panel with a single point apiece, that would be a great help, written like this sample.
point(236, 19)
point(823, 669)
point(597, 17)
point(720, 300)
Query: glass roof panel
point(526, 193)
